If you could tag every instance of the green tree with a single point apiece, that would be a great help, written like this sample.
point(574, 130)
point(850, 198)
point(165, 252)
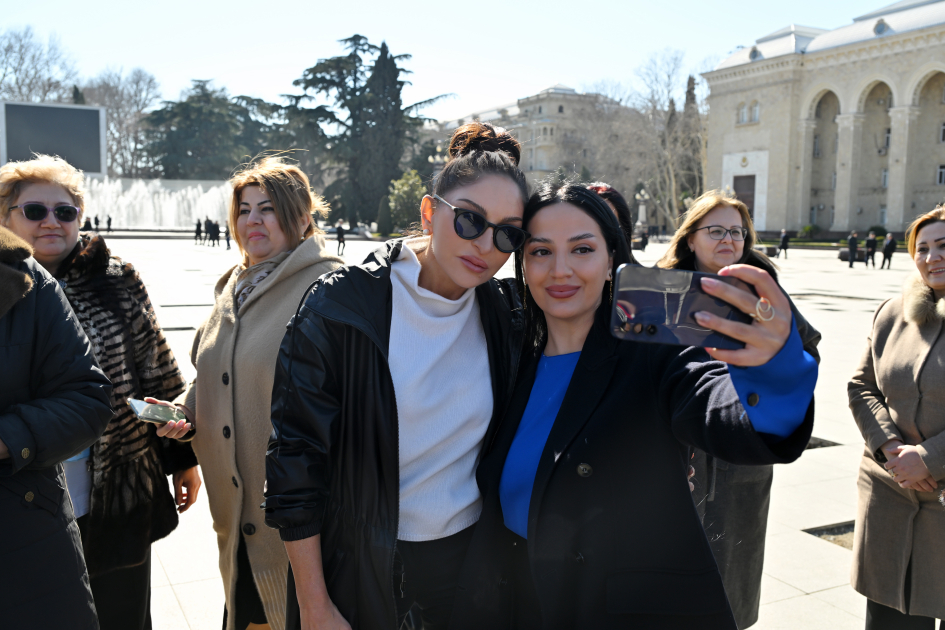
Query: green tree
point(202, 136)
point(365, 89)
point(406, 194)
point(585, 175)
point(385, 225)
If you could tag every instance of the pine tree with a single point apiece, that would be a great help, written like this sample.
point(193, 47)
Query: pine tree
point(385, 224)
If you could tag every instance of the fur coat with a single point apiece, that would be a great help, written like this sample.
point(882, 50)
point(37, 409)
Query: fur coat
point(897, 393)
point(235, 355)
point(131, 505)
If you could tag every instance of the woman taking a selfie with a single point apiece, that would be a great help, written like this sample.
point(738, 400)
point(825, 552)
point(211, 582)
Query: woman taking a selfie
point(717, 231)
point(272, 210)
point(118, 486)
point(587, 519)
point(387, 382)
point(897, 400)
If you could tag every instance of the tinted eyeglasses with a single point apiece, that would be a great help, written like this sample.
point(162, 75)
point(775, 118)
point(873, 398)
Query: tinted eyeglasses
point(38, 212)
point(717, 232)
point(470, 225)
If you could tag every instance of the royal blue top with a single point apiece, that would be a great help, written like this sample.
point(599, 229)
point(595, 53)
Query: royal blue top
point(781, 391)
point(518, 476)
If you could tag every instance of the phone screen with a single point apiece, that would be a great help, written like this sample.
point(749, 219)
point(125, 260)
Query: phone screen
point(158, 414)
point(654, 305)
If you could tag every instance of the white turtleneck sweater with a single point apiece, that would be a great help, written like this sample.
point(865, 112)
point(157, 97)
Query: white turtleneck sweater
point(440, 367)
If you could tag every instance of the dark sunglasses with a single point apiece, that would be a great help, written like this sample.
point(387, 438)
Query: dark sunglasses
point(38, 212)
point(470, 225)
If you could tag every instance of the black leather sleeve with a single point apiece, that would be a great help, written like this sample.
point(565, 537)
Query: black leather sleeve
point(305, 414)
point(68, 407)
point(698, 398)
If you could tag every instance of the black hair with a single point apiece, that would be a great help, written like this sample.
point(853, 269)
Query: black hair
point(624, 215)
point(478, 149)
point(549, 193)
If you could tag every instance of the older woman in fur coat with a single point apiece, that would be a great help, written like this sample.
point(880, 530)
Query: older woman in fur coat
point(234, 351)
point(898, 401)
point(118, 487)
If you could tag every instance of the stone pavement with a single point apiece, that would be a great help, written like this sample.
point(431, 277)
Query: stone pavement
point(806, 581)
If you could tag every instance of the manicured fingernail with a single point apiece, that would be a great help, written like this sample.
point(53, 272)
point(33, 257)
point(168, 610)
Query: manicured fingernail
point(710, 283)
point(701, 317)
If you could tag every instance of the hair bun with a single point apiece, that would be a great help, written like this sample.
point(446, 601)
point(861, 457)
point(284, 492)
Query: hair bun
point(477, 136)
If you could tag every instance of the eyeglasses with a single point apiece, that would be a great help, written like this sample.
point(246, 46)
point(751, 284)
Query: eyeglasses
point(717, 232)
point(38, 212)
point(471, 225)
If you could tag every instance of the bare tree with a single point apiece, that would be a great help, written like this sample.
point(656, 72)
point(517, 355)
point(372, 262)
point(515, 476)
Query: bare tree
point(33, 71)
point(127, 99)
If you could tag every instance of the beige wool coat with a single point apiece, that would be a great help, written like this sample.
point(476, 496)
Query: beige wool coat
point(235, 359)
point(898, 392)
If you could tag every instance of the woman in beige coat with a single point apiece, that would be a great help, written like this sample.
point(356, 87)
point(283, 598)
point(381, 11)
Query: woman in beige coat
point(898, 401)
point(234, 351)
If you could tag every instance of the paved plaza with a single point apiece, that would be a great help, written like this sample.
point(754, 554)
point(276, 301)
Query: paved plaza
point(806, 582)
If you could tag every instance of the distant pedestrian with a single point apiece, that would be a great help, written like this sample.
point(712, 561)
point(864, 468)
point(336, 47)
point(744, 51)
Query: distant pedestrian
point(96, 223)
point(214, 234)
point(340, 232)
point(644, 241)
point(851, 245)
point(870, 250)
point(889, 246)
point(108, 224)
point(206, 229)
point(87, 225)
point(198, 233)
point(226, 233)
point(783, 245)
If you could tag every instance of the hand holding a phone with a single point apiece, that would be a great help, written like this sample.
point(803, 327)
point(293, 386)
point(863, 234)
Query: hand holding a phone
point(763, 338)
point(174, 430)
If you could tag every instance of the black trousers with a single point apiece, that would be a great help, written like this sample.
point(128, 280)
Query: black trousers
point(880, 617)
point(123, 596)
point(426, 575)
point(249, 606)
point(852, 257)
point(887, 258)
point(870, 256)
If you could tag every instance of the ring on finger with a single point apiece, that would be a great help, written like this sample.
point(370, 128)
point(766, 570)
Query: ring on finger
point(764, 311)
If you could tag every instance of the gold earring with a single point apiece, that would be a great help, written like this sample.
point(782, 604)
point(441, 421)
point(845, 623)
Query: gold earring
point(611, 291)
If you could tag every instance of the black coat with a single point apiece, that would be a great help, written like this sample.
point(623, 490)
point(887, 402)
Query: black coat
point(333, 466)
point(614, 539)
point(870, 245)
point(54, 403)
point(889, 247)
point(785, 241)
point(852, 242)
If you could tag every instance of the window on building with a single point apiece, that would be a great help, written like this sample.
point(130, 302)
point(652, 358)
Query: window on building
point(544, 131)
point(831, 215)
point(885, 178)
point(833, 181)
point(585, 152)
point(539, 109)
point(816, 145)
point(755, 111)
point(941, 134)
point(888, 136)
point(552, 131)
point(742, 114)
point(560, 109)
point(941, 175)
point(882, 214)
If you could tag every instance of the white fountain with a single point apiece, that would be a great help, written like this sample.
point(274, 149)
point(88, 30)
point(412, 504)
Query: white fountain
point(156, 203)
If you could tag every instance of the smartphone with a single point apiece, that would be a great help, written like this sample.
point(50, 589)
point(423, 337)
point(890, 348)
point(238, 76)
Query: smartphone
point(158, 414)
point(654, 305)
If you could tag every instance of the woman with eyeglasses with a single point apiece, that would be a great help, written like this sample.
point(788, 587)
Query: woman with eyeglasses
point(389, 379)
point(717, 231)
point(118, 486)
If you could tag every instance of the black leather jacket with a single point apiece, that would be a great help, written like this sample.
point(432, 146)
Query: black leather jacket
point(332, 467)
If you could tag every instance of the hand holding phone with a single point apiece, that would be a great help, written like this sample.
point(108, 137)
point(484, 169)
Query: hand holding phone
point(171, 421)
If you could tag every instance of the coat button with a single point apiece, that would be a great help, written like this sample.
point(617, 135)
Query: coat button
point(226, 378)
point(25, 453)
point(752, 400)
point(226, 432)
point(585, 470)
point(234, 482)
point(29, 496)
point(249, 529)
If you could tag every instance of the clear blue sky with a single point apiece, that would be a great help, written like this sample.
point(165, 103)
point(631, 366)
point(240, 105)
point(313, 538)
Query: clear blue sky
point(487, 53)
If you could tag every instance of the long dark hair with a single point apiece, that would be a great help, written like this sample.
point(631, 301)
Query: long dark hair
point(550, 193)
point(621, 207)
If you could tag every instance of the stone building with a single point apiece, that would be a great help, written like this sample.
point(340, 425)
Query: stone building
point(843, 129)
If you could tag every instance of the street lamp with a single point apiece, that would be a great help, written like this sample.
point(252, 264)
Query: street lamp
point(438, 161)
point(642, 197)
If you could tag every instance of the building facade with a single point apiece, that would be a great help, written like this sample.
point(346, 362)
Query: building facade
point(841, 129)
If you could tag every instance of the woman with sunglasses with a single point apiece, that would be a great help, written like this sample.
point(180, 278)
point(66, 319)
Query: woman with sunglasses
point(717, 231)
point(118, 486)
point(387, 383)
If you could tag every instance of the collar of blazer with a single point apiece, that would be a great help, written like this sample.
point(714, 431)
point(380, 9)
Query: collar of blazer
point(592, 377)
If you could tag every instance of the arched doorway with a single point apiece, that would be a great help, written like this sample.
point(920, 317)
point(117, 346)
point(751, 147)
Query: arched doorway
point(927, 153)
point(873, 181)
point(823, 181)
